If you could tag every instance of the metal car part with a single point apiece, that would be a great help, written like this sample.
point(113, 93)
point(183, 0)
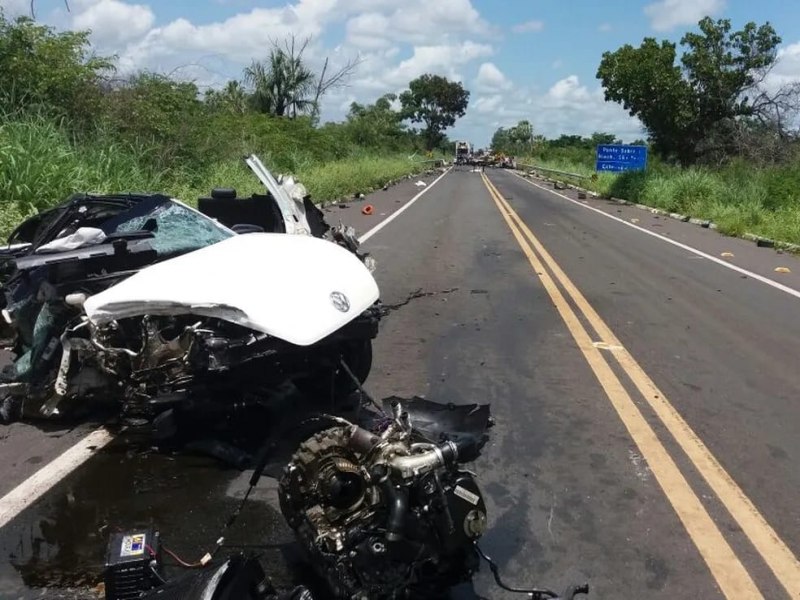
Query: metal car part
point(384, 514)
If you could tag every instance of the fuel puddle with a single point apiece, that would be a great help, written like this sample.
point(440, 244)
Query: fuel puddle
point(56, 548)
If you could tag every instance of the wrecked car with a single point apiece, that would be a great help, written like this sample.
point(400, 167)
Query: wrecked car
point(147, 304)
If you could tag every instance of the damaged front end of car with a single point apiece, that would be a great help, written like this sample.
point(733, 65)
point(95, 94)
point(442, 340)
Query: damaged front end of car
point(143, 303)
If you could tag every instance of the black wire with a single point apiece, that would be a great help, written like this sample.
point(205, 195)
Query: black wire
point(535, 593)
point(360, 387)
point(231, 520)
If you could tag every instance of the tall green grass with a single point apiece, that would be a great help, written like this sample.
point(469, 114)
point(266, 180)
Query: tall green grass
point(40, 165)
point(331, 180)
point(739, 198)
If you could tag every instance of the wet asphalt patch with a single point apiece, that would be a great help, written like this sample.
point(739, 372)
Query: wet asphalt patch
point(56, 548)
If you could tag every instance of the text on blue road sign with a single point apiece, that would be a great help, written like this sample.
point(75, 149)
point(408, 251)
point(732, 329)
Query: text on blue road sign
point(621, 157)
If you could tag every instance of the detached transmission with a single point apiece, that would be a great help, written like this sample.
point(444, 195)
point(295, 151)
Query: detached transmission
point(387, 514)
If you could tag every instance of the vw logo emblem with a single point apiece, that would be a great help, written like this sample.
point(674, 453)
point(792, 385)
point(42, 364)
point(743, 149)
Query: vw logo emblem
point(340, 301)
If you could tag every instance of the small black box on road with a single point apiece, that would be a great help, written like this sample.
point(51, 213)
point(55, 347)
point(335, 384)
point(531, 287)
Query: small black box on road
point(129, 571)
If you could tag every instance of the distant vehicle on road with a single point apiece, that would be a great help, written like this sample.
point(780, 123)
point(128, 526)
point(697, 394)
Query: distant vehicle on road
point(463, 152)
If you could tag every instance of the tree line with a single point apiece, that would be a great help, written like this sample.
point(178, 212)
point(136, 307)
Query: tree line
point(712, 106)
point(520, 140)
point(54, 74)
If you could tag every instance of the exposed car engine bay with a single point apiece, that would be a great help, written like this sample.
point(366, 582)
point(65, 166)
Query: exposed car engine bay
point(144, 303)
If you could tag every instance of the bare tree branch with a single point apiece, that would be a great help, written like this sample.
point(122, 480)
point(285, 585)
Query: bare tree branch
point(338, 79)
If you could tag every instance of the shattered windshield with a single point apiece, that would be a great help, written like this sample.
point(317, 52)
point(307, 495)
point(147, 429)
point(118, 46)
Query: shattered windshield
point(177, 229)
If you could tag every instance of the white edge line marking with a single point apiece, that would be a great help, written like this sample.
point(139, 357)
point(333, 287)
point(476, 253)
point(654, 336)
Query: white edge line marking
point(35, 486)
point(719, 261)
point(38, 484)
point(398, 212)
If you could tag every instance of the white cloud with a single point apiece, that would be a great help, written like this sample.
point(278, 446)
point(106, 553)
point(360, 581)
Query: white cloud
point(488, 104)
point(416, 22)
point(568, 89)
point(604, 27)
point(557, 64)
point(113, 22)
point(567, 107)
point(787, 68)
point(239, 38)
point(665, 15)
point(570, 107)
point(15, 8)
point(369, 30)
point(395, 44)
point(442, 59)
point(491, 79)
point(528, 26)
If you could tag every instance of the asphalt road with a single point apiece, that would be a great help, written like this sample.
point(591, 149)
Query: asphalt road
point(645, 399)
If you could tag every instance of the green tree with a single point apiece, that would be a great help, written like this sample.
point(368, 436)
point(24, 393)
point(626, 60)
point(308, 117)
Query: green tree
point(568, 141)
point(516, 140)
point(501, 140)
point(48, 71)
point(681, 105)
point(376, 125)
point(436, 102)
point(154, 110)
point(521, 138)
point(599, 137)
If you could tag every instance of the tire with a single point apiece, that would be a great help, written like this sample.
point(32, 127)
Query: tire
point(337, 385)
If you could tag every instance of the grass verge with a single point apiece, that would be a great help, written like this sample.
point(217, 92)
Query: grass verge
point(739, 198)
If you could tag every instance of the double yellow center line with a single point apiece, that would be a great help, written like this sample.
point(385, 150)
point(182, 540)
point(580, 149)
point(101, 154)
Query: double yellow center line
point(726, 568)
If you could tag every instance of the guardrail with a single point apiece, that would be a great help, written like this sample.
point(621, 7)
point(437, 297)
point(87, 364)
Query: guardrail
point(556, 171)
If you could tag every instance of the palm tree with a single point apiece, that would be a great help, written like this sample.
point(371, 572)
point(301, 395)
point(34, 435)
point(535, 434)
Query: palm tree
point(282, 85)
point(259, 77)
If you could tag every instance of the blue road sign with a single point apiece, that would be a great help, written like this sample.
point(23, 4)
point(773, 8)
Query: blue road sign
point(621, 157)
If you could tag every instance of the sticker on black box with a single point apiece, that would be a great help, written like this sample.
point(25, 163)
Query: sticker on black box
point(133, 545)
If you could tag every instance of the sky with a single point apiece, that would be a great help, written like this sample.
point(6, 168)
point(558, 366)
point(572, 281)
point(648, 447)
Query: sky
point(520, 59)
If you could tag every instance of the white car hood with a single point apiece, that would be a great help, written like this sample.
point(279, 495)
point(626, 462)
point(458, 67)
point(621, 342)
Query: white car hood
point(294, 287)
